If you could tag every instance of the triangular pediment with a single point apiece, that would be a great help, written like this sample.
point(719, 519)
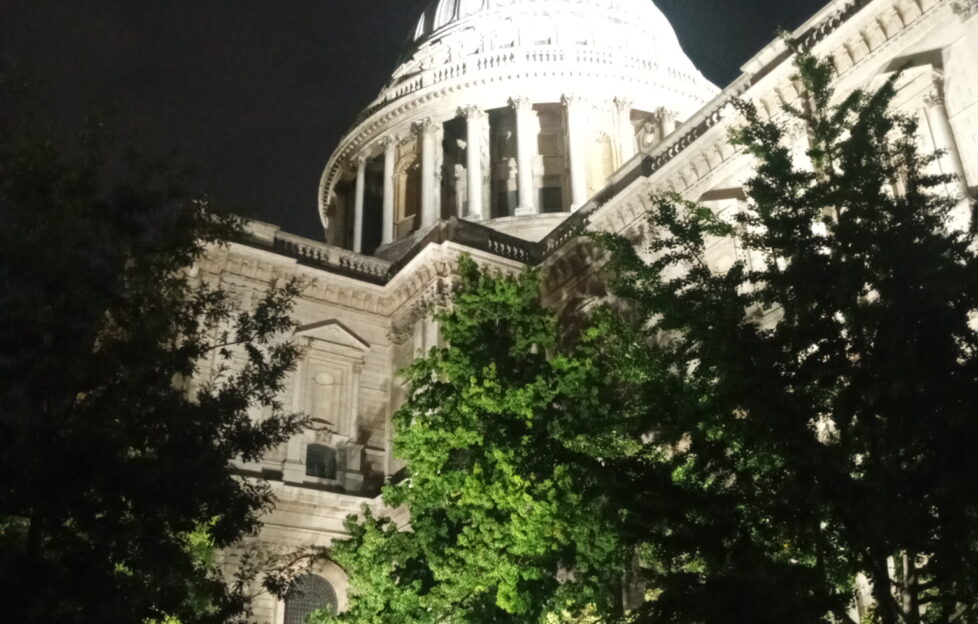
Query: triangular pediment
point(333, 332)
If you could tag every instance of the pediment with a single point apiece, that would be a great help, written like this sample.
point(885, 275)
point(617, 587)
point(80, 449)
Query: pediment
point(333, 332)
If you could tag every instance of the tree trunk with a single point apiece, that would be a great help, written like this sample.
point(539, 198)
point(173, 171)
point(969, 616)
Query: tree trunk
point(909, 595)
point(886, 607)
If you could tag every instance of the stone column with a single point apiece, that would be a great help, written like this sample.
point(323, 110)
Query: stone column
point(427, 130)
point(361, 163)
point(626, 132)
point(474, 120)
point(577, 146)
point(524, 154)
point(390, 155)
point(943, 136)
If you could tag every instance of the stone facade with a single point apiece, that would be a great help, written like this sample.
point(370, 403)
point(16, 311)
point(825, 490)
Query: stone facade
point(491, 97)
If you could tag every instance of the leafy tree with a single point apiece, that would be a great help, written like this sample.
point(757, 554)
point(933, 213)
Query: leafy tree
point(814, 405)
point(510, 518)
point(109, 466)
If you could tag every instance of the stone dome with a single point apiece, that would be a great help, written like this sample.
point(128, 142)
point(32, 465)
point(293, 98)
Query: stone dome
point(640, 22)
point(555, 94)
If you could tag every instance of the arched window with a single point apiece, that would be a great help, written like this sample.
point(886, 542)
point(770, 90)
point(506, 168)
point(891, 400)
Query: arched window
point(310, 594)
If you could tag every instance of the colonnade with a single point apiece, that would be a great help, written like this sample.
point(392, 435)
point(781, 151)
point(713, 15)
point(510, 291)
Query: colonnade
point(428, 131)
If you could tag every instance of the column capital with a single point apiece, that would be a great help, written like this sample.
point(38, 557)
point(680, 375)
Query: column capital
point(521, 103)
point(389, 141)
point(664, 114)
point(573, 100)
point(424, 127)
point(474, 113)
point(935, 95)
point(360, 160)
point(624, 105)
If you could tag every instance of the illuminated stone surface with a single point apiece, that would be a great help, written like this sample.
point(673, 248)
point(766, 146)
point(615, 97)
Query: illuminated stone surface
point(605, 81)
point(526, 66)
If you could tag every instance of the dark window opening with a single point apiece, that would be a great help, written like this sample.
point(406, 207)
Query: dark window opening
point(551, 199)
point(321, 461)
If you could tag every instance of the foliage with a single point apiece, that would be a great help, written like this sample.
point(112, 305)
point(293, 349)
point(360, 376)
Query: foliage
point(108, 462)
point(815, 403)
point(510, 520)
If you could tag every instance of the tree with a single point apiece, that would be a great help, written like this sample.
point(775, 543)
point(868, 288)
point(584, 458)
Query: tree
point(511, 520)
point(109, 467)
point(814, 405)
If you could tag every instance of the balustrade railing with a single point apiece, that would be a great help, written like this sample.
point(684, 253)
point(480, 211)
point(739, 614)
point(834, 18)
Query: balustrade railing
point(505, 58)
point(332, 258)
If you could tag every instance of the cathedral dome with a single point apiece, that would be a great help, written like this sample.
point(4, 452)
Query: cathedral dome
point(640, 22)
point(556, 94)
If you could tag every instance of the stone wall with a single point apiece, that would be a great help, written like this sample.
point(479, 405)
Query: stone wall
point(363, 319)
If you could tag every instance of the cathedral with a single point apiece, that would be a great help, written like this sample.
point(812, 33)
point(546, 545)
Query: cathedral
point(510, 125)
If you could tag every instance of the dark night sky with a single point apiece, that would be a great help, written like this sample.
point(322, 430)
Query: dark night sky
point(256, 93)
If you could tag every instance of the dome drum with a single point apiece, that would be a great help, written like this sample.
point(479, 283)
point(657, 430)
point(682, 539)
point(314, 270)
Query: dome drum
point(534, 103)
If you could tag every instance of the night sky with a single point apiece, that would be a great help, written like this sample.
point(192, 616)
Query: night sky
point(254, 94)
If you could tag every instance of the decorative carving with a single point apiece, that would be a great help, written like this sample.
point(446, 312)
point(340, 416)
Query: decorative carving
point(935, 96)
point(425, 127)
point(664, 115)
point(572, 100)
point(647, 134)
point(624, 105)
point(437, 295)
point(472, 112)
point(521, 104)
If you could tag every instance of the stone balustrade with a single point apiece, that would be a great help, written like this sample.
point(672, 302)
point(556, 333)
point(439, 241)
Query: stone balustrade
point(332, 259)
point(548, 56)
